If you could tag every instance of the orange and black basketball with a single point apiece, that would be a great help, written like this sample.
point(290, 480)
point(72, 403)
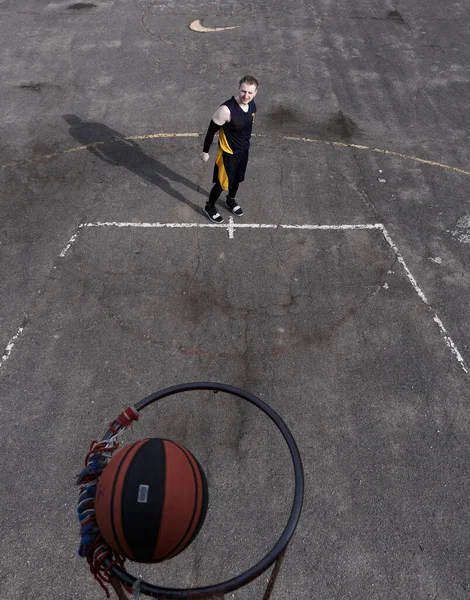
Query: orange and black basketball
point(151, 500)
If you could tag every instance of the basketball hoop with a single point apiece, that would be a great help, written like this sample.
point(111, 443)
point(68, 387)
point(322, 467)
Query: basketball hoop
point(109, 568)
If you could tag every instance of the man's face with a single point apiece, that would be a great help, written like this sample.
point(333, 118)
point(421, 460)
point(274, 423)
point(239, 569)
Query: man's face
point(247, 92)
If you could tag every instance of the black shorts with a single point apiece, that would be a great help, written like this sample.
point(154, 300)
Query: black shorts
point(230, 168)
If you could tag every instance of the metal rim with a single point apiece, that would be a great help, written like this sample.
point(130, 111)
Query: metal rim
point(219, 589)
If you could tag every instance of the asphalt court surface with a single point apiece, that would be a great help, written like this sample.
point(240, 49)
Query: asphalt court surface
point(362, 121)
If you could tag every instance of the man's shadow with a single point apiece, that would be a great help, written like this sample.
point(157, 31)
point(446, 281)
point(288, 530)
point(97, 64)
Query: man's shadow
point(112, 147)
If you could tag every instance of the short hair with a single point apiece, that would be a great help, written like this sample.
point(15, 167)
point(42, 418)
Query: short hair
point(249, 79)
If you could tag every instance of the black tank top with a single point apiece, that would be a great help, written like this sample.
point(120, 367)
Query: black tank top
point(235, 135)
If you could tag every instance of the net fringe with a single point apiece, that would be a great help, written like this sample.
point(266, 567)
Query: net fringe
point(100, 557)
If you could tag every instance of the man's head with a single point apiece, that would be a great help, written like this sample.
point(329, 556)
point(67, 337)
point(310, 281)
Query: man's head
point(247, 89)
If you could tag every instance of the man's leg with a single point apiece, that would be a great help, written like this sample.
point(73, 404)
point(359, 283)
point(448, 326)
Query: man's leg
point(231, 203)
point(210, 208)
point(237, 177)
point(214, 194)
point(233, 191)
point(218, 177)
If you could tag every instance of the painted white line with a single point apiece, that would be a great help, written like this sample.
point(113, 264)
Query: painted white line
point(423, 161)
point(400, 259)
point(231, 227)
point(153, 225)
point(11, 345)
point(70, 242)
point(335, 227)
point(291, 138)
point(450, 343)
point(448, 340)
point(159, 136)
point(254, 225)
point(233, 224)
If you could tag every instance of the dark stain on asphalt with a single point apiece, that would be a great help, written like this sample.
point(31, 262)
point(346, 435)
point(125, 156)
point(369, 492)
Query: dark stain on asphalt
point(81, 6)
point(34, 87)
point(288, 118)
point(394, 15)
point(341, 125)
point(282, 115)
point(322, 335)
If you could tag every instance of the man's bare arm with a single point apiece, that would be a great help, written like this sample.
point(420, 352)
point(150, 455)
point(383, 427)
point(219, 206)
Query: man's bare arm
point(221, 115)
point(219, 118)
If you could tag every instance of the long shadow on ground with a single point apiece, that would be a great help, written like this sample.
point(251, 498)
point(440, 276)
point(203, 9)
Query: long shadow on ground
point(112, 147)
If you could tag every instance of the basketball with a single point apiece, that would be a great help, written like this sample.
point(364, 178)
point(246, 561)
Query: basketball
point(151, 500)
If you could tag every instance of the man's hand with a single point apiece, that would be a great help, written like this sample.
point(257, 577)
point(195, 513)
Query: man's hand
point(205, 156)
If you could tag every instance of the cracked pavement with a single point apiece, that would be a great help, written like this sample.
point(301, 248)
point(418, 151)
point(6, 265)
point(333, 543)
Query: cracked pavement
point(323, 325)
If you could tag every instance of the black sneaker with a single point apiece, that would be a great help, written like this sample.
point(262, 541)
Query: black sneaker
point(233, 207)
point(212, 213)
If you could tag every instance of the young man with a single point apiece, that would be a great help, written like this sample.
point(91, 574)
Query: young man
point(234, 121)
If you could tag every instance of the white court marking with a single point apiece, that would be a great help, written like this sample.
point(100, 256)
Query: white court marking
point(231, 226)
point(154, 136)
point(10, 346)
